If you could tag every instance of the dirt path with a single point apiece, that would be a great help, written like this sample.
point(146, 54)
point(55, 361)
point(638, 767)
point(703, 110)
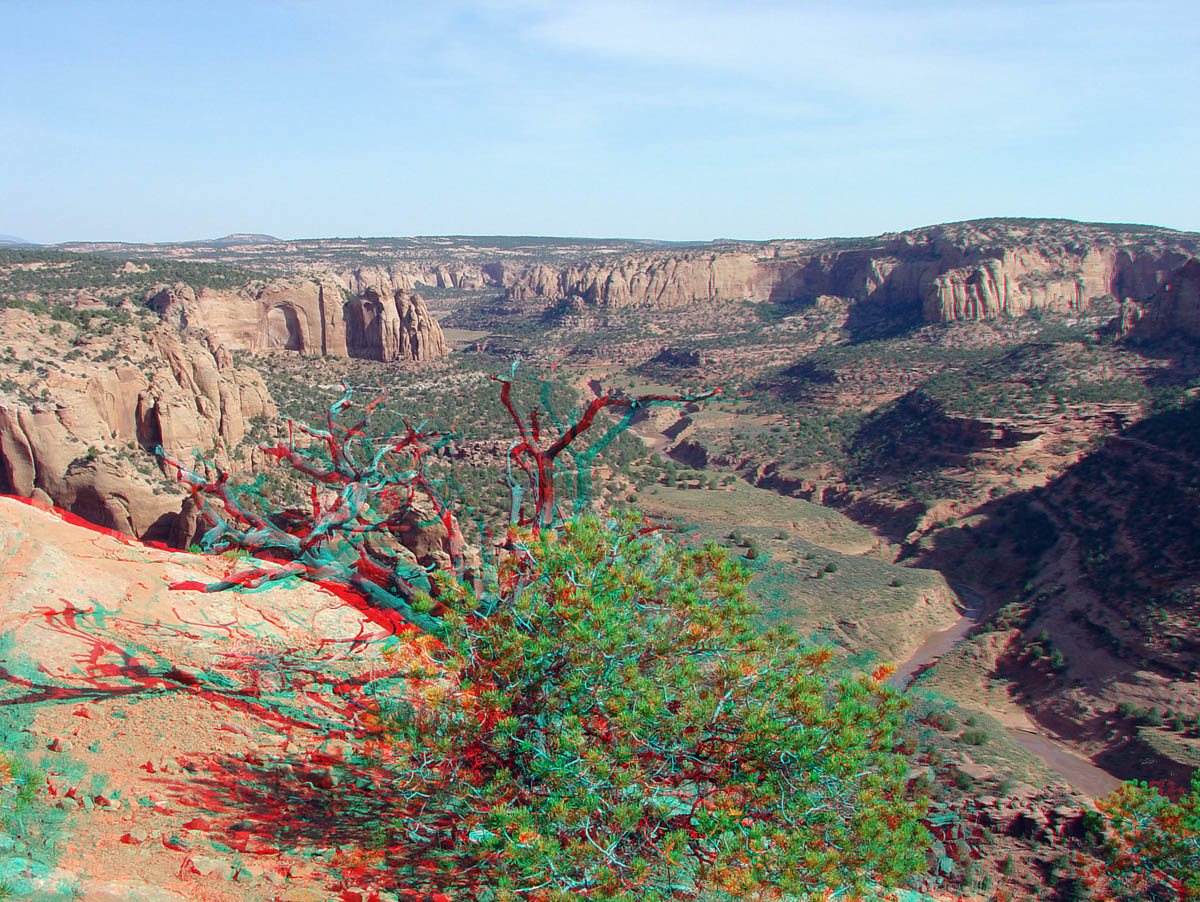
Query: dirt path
point(940, 643)
point(1077, 770)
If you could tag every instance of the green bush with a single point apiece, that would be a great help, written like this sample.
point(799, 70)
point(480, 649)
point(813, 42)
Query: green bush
point(617, 724)
point(975, 736)
point(942, 720)
point(1152, 840)
point(29, 826)
point(601, 716)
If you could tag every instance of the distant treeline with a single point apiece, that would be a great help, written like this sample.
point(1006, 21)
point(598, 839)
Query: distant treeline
point(53, 275)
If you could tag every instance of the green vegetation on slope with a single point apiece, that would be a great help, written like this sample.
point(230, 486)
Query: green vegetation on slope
point(32, 276)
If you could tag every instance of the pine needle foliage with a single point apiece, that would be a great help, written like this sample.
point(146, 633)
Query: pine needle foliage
point(1153, 842)
point(616, 728)
point(600, 718)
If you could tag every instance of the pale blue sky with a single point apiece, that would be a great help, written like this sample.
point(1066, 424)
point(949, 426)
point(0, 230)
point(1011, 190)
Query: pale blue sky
point(173, 120)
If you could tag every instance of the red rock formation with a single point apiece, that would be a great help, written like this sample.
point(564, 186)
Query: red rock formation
point(661, 280)
point(392, 327)
point(973, 270)
point(309, 316)
point(71, 450)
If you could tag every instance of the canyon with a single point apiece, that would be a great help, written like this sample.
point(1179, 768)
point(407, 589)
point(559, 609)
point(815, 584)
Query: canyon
point(1008, 402)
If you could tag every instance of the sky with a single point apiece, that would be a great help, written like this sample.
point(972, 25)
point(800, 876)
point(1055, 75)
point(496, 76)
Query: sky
point(172, 121)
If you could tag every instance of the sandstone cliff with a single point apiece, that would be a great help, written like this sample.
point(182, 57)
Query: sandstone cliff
point(974, 270)
point(408, 276)
point(80, 436)
point(310, 316)
point(661, 280)
point(1174, 307)
point(392, 326)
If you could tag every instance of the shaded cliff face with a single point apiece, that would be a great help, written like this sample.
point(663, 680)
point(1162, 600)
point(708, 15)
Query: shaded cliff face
point(953, 272)
point(392, 326)
point(1175, 306)
point(309, 316)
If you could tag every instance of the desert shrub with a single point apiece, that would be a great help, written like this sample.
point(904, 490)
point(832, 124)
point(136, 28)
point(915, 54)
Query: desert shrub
point(29, 826)
point(603, 719)
point(617, 727)
point(975, 736)
point(1152, 841)
point(942, 720)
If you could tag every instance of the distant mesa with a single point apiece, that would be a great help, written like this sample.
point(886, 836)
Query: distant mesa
point(13, 241)
point(240, 239)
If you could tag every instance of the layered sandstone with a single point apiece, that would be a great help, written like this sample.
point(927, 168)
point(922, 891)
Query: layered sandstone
point(79, 444)
point(197, 399)
point(303, 315)
point(961, 271)
point(392, 326)
point(408, 276)
point(311, 315)
point(661, 280)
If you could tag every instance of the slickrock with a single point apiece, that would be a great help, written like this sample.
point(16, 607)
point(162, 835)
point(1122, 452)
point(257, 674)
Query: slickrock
point(75, 447)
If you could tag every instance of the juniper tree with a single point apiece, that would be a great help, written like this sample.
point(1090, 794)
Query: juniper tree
point(603, 719)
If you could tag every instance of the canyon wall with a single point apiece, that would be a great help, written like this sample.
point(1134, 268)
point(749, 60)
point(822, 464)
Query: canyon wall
point(664, 281)
point(408, 276)
point(1174, 307)
point(392, 326)
point(75, 447)
point(312, 316)
point(955, 272)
